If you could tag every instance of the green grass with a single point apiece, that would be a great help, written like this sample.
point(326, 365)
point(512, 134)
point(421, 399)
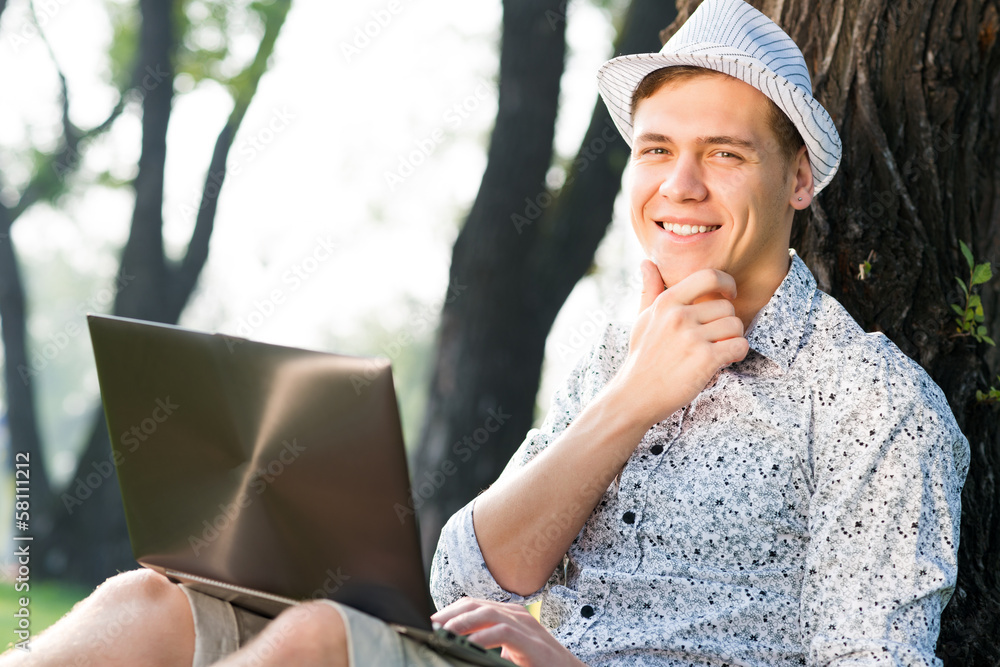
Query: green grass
point(49, 600)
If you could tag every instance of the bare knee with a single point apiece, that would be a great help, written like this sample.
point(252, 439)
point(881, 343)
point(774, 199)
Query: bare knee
point(144, 599)
point(311, 633)
point(135, 585)
point(134, 618)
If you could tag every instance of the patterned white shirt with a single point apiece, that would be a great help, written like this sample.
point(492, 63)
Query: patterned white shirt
point(803, 509)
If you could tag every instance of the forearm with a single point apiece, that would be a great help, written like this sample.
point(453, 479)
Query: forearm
point(527, 520)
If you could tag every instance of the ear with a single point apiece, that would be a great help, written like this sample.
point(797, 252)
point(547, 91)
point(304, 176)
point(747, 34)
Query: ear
point(801, 177)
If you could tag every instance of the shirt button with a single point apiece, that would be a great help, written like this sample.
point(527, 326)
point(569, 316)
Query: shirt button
point(656, 449)
point(628, 517)
point(587, 611)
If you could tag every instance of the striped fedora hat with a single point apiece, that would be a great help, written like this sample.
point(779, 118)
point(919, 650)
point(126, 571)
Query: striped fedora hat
point(732, 37)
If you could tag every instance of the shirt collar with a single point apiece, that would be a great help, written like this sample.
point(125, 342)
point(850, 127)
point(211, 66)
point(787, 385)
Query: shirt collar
point(776, 331)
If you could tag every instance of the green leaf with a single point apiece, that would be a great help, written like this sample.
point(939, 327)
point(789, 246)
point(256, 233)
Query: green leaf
point(125, 26)
point(981, 274)
point(962, 285)
point(975, 301)
point(967, 253)
point(989, 340)
point(958, 309)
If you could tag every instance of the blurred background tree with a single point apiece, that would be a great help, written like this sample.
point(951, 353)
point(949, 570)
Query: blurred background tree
point(153, 41)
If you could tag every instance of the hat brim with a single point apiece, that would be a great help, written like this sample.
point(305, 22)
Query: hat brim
point(618, 78)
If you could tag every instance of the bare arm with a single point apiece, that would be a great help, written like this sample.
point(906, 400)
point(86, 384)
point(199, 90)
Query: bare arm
point(527, 520)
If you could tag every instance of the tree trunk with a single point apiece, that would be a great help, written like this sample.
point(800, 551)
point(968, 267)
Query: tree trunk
point(520, 252)
point(89, 540)
point(21, 423)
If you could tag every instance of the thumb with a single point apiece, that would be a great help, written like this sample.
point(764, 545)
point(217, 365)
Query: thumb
point(652, 284)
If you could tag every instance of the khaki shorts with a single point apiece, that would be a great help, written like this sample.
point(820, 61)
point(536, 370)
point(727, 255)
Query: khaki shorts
point(221, 628)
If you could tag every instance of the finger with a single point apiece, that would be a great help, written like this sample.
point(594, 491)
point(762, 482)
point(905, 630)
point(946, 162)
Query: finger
point(525, 643)
point(456, 608)
point(473, 611)
point(499, 635)
point(713, 309)
point(733, 350)
point(652, 284)
point(703, 283)
point(722, 329)
point(480, 618)
point(516, 634)
point(466, 624)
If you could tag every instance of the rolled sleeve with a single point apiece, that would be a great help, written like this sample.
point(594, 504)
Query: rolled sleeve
point(459, 570)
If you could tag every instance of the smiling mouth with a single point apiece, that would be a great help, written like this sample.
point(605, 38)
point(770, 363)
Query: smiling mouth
point(687, 230)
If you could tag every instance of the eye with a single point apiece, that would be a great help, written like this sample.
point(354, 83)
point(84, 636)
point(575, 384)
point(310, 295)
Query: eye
point(728, 155)
point(654, 151)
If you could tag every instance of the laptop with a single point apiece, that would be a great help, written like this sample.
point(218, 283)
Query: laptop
point(266, 475)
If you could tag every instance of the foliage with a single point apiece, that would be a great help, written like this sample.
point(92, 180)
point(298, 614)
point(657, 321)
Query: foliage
point(970, 318)
point(124, 18)
point(865, 267)
point(991, 396)
point(214, 34)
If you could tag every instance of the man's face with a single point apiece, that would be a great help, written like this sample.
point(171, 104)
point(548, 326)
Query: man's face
point(709, 186)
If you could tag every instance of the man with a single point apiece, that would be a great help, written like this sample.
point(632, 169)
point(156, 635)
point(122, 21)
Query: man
point(745, 477)
point(742, 477)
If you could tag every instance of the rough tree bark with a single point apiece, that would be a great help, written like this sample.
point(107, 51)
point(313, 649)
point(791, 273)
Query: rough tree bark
point(81, 531)
point(518, 256)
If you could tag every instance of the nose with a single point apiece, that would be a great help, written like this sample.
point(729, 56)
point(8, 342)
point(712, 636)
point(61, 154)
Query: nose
point(684, 181)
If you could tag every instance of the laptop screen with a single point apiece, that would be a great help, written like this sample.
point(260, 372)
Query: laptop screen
point(267, 467)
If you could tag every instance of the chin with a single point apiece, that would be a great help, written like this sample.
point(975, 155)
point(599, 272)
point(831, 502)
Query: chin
point(674, 270)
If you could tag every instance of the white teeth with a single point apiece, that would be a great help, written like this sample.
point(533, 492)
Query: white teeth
point(688, 230)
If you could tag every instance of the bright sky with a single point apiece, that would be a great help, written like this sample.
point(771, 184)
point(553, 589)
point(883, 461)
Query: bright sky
point(313, 241)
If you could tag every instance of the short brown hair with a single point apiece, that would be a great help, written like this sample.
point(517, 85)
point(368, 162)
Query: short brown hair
point(789, 139)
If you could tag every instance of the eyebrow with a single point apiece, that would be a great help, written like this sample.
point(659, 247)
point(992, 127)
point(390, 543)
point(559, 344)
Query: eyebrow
point(726, 140)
